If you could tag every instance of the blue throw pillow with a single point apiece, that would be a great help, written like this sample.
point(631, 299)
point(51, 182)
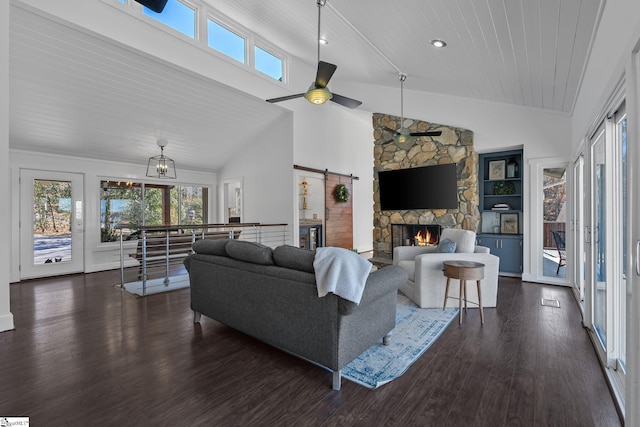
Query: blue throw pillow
point(446, 246)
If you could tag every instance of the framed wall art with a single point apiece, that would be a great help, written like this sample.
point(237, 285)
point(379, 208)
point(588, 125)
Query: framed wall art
point(496, 169)
point(509, 223)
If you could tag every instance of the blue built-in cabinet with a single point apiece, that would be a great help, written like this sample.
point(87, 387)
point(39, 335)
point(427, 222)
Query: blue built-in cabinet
point(501, 185)
point(507, 248)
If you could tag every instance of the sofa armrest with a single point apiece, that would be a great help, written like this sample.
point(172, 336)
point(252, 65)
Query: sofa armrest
point(482, 250)
point(408, 253)
point(379, 283)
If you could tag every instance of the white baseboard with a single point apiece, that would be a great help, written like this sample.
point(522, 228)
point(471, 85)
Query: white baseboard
point(6, 322)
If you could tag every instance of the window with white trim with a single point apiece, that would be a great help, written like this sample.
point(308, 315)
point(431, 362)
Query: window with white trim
point(229, 39)
point(226, 41)
point(268, 63)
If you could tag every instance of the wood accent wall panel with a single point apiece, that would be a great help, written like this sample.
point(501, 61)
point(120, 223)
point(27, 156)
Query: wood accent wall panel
point(338, 216)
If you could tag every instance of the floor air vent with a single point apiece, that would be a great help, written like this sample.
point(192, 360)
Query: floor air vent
point(548, 302)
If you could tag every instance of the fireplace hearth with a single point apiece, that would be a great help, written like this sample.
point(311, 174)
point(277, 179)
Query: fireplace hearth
point(414, 235)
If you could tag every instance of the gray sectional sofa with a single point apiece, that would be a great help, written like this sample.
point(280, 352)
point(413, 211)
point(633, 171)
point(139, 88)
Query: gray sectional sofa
point(271, 294)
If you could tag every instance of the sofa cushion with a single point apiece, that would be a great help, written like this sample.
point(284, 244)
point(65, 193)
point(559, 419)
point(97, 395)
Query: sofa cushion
point(410, 268)
point(254, 252)
point(295, 258)
point(211, 247)
point(465, 239)
point(446, 246)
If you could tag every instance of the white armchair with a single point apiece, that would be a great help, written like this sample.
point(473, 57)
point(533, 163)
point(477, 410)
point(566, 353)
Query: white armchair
point(426, 284)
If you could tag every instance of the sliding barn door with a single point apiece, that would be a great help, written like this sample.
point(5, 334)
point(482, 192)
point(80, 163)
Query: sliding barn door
point(338, 215)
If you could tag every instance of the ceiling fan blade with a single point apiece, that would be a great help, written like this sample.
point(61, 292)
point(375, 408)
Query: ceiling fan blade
point(429, 133)
point(156, 5)
point(286, 98)
point(347, 102)
point(325, 71)
point(391, 130)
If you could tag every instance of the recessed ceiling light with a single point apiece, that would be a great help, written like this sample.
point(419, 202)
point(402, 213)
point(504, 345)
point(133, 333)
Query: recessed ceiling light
point(323, 41)
point(438, 43)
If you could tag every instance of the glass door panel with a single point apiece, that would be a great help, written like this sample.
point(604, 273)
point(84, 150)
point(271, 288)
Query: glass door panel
point(52, 219)
point(51, 232)
point(599, 239)
point(554, 219)
point(622, 298)
point(579, 259)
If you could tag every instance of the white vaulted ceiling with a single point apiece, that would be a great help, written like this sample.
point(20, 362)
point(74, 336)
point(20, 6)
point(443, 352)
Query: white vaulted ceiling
point(523, 52)
point(78, 94)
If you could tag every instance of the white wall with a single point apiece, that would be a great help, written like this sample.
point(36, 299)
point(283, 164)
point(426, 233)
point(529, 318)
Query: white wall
point(266, 167)
point(339, 139)
point(106, 18)
point(6, 318)
point(97, 256)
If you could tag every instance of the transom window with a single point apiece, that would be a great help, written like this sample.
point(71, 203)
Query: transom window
point(268, 63)
point(230, 40)
point(225, 41)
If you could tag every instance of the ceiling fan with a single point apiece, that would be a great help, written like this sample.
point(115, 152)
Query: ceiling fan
point(318, 93)
point(402, 134)
point(156, 5)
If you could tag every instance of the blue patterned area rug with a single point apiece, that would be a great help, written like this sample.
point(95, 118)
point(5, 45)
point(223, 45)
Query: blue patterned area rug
point(416, 329)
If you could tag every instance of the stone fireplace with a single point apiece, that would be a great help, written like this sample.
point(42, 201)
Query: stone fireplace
point(455, 145)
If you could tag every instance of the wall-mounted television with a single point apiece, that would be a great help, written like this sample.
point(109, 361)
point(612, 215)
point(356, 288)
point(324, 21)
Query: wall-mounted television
point(425, 187)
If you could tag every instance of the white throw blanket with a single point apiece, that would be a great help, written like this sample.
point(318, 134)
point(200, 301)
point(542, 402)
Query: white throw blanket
point(342, 272)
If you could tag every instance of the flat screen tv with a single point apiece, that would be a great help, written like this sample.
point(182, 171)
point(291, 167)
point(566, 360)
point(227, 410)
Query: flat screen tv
point(426, 187)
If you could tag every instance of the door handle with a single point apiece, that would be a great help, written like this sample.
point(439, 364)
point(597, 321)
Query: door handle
point(587, 234)
point(638, 258)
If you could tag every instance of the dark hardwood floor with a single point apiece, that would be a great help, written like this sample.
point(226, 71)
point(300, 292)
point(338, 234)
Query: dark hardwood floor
point(86, 354)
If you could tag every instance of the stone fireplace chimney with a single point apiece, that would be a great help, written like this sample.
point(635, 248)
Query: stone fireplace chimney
point(455, 145)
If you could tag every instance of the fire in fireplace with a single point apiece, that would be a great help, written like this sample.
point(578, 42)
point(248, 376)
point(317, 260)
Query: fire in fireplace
point(414, 235)
point(424, 239)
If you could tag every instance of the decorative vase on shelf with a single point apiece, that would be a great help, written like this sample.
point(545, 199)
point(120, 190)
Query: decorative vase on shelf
point(512, 168)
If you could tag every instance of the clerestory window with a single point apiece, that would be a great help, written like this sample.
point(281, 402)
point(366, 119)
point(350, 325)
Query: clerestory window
point(228, 39)
point(268, 63)
point(225, 41)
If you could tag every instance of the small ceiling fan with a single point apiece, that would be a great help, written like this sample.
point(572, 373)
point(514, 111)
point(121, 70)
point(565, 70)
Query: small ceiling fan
point(318, 93)
point(402, 134)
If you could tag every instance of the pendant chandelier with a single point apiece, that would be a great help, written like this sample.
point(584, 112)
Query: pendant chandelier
point(161, 166)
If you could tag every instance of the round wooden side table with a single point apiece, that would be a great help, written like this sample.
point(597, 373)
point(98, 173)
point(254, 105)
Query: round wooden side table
point(463, 271)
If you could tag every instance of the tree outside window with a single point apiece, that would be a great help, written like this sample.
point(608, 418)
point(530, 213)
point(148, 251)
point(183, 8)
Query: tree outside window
point(125, 206)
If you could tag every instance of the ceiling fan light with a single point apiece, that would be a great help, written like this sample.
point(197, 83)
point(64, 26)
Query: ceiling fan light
point(318, 95)
point(401, 138)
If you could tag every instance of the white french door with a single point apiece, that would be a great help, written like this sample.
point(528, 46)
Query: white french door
point(51, 223)
point(606, 231)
